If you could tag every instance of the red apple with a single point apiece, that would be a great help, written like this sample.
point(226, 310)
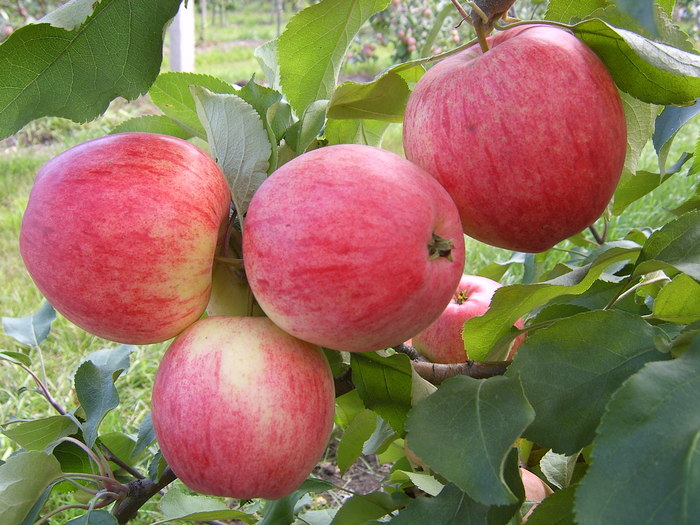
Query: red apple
point(242, 409)
point(352, 248)
point(535, 490)
point(528, 138)
point(442, 341)
point(120, 233)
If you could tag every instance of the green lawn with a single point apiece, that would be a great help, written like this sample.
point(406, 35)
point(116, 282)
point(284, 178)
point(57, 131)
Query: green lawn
point(218, 54)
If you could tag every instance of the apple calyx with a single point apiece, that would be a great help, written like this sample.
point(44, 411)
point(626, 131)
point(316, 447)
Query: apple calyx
point(440, 247)
point(461, 297)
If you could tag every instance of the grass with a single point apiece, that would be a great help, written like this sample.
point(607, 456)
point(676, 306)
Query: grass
point(220, 55)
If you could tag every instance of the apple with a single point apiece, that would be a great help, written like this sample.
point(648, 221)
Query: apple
point(442, 341)
point(242, 409)
point(120, 233)
point(535, 490)
point(352, 248)
point(529, 138)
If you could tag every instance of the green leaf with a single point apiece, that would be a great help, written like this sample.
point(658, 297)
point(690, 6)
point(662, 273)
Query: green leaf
point(281, 511)
point(450, 507)
point(570, 369)
point(238, 141)
point(354, 437)
point(568, 10)
point(679, 301)
point(640, 118)
point(558, 468)
point(384, 384)
point(509, 303)
point(315, 517)
point(145, 437)
point(454, 507)
point(642, 11)
point(677, 245)
point(382, 99)
point(347, 406)
point(172, 93)
point(693, 202)
point(47, 70)
point(302, 134)
point(17, 358)
point(31, 330)
point(425, 482)
point(122, 446)
point(18, 489)
point(94, 517)
point(646, 459)
point(266, 54)
point(178, 505)
point(37, 434)
point(359, 509)
point(650, 71)
point(116, 360)
point(556, 509)
point(381, 438)
point(72, 458)
point(276, 115)
point(369, 132)
point(153, 124)
point(671, 120)
point(465, 430)
point(312, 47)
point(33, 515)
point(94, 386)
point(69, 15)
point(634, 186)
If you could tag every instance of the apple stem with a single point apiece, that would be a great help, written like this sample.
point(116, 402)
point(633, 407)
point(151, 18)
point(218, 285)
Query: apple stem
point(440, 247)
point(600, 239)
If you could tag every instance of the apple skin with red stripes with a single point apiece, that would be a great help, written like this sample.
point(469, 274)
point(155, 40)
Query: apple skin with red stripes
point(352, 248)
point(120, 233)
point(242, 409)
point(529, 138)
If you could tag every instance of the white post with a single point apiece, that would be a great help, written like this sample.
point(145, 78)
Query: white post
point(182, 39)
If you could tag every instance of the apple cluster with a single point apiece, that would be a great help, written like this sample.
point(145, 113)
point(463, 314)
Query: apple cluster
point(347, 247)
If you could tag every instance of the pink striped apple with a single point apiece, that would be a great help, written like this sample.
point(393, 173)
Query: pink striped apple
point(120, 233)
point(352, 248)
point(242, 409)
point(529, 138)
point(442, 341)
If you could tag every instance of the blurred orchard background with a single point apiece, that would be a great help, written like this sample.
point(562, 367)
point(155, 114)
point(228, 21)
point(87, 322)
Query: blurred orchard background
point(227, 33)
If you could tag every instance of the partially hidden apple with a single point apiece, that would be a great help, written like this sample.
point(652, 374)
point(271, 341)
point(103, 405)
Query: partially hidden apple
point(242, 409)
point(120, 232)
point(442, 341)
point(536, 490)
point(352, 248)
point(529, 138)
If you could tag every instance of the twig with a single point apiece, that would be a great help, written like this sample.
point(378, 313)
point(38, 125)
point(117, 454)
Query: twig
point(411, 352)
point(138, 493)
point(436, 373)
point(597, 236)
point(343, 383)
point(111, 456)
